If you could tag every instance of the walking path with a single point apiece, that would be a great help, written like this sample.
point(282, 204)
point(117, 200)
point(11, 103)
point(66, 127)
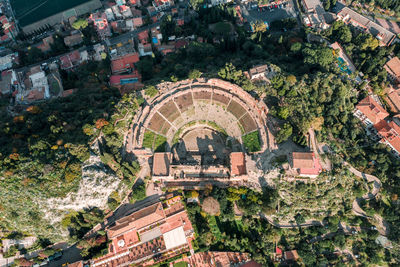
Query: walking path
point(382, 227)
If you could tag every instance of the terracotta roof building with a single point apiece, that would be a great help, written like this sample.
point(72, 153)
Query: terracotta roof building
point(220, 259)
point(160, 5)
point(156, 232)
point(393, 69)
point(9, 29)
point(258, 72)
point(70, 60)
point(161, 163)
point(46, 43)
point(124, 63)
point(389, 25)
point(315, 13)
point(101, 24)
point(238, 163)
point(73, 40)
point(394, 100)
point(76, 264)
point(143, 36)
point(306, 163)
point(291, 255)
point(369, 111)
point(389, 134)
point(118, 80)
point(349, 16)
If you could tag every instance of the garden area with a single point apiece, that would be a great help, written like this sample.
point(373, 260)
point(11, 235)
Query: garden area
point(330, 194)
point(251, 141)
point(154, 141)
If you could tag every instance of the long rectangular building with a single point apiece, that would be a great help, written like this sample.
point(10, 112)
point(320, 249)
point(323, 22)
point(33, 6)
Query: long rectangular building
point(152, 234)
point(349, 16)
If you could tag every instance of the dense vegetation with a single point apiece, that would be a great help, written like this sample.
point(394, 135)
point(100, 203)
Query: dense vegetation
point(43, 149)
point(50, 141)
point(393, 5)
point(251, 141)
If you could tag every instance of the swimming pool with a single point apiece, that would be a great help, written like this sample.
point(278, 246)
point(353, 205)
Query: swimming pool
point(343, 65)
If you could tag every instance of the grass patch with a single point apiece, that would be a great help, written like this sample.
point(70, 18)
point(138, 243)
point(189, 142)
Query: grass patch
point(160, 143)
point(55, 88)
point(280, 160)
point(221, 27)
point(216, 127)
point(200, 122)
point(181, 264)
point(241, 128)
point(212, 222)
point(251, 141)
point(148, 139)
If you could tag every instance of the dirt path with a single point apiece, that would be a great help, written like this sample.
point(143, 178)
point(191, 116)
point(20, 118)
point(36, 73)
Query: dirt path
point(382, 226)
point(325, 163)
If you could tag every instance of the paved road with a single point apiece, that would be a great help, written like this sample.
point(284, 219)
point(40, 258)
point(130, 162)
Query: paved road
point(70, 255)
point(111, 42)
point(382, 225)
point(129, 35)
point(269, 15)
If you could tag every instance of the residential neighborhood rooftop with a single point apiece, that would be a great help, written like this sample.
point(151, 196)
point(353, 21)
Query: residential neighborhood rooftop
point(350, 16)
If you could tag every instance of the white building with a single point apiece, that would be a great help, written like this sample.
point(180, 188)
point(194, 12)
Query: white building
point(39, 82)
point(314, 14)
point(109, 14)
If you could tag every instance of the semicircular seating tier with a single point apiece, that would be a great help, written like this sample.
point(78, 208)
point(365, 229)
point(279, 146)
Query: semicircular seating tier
point(216, 101)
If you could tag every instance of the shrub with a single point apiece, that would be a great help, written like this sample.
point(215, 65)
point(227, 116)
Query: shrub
point(251, 141)
point(138, 191)
point(150, 91)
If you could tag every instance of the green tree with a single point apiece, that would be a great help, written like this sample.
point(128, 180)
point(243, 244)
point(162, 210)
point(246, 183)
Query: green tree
point(194, 74)
point(283, 113)
point(344, 34)
point(321, 56)
point(150, 91)
point(138, 191)
point(296, 47)
point(284, 133)
point(80, 24)
point(168, 27)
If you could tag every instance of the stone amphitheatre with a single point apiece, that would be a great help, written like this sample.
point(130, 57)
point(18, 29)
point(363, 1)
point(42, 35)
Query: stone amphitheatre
point(195, 132)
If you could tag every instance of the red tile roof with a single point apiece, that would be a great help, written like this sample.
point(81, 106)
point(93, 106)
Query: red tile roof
point(306, 162)
point(180, 43)
point(143, 36)
point(291, 255)
point(390, 133)
point(75, 56)
point(161, 162)
point(220, 259)
point(66, 62)
point(251, 264)
point(124, 63)
point(137, 21)
point(68, 92)
point(160, 2)
point(393, 67)
point(116, 79)
point(372, 110)
point(394, 98)
point(76, 264)
point(149, 223)
point(238, 163)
